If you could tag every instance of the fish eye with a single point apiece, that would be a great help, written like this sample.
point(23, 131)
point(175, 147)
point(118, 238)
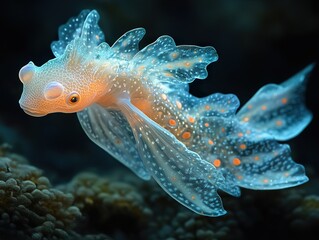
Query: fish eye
point(73, 98)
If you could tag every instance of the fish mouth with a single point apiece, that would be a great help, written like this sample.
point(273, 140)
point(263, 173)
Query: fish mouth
point(32, 112)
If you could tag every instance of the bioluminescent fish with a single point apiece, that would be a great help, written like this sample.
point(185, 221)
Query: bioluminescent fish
point(136, 106)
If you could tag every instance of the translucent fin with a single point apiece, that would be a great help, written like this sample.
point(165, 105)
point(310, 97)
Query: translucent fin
point(215, 105)
point(163, 60)
point(279, 109)
point(180, 172)
point(127, 46)
point(110, 130)
point(256, 160)
point(265, 164)
point(91, 35)
point(83, 25)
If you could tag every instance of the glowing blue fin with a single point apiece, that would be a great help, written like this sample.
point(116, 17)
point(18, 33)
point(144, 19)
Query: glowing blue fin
point(279, 109)
point(265, 164)
point(180, 172)
point(215, 105)
point(254, 159)
point(83, 26)
point(163, 60)
point(110, 130)
point(127, 45)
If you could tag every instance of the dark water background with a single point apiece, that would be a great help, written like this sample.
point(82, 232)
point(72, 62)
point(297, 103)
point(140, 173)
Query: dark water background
point(258, 42)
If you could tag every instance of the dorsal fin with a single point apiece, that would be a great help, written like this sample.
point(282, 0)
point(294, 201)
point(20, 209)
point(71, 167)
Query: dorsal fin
point(127, 45)
point(166, 62)
point(83, 26)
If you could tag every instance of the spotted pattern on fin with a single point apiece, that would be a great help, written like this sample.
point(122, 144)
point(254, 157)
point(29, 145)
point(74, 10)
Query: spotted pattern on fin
point(279, 109)
point(163, 60)
point(85, 23)
point(127, 45)
point(179, 171)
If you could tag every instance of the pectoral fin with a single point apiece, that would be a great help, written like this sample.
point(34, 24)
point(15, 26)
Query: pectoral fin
point(180, 172)
point(110, 130)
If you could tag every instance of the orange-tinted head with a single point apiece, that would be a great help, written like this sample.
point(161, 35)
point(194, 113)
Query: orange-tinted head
point(56, 87)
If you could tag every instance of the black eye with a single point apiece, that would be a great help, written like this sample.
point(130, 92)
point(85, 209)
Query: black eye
point(73, 98)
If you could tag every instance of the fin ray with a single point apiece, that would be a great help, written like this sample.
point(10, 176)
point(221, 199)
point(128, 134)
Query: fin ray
point(179, 171)
point(110, 131)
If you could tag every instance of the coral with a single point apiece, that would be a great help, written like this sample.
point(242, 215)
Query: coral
point(108, 206)
point(29, 207)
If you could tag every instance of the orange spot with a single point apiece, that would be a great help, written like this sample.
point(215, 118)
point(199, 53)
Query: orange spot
point(223, 129)
point(217, 163)
point(222, 110)
point(279, 123)
point(207, 107)
point(187, 64)
point(210, 142)
point(246, 119)
point(172, 122)
point(193, 197)
point(242, 146)
point(191, 119)
point(284, 100)
point(173, 178)
point(240, 134)
point(206, 124)
point(265, 180)
point(239, 177)
point(178, 104)
point(168, 74)
point(142, 67)
point(236, 161)
point(263, 107)
point(174, 55)
point(164, 96)
point(250, 106)
point(286, 174)
point(256, 158)
point(186, 135)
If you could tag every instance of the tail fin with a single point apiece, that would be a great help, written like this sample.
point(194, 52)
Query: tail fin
point(279, 110)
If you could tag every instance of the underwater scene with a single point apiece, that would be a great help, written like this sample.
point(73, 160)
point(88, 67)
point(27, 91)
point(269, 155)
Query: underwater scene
point(159, 120)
